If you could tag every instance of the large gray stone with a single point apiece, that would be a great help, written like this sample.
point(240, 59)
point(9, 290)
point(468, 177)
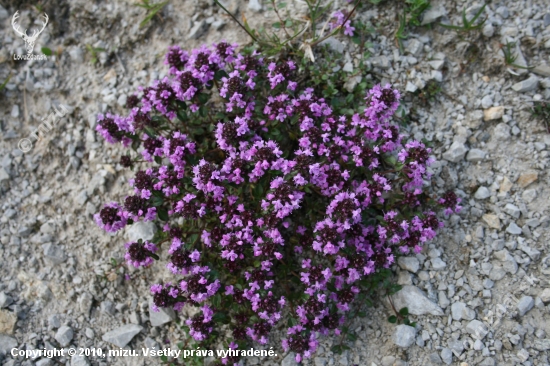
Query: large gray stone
point(123, 335)
point(525, 304)
point(334, 44)
point(482, 193)
point(289, 360)
point(404, 336)
point(531, 252)
point(514, 229)
point(64, 335)
point(438, 264)
point(78, 360)
point(447, 356)
point(527, 85)
point(5, 300)
point(54, 253)
point(141, 230)
point(161, 317)
point(6, 344)
point(199, 28)
point(414, 47)
point(502, 131)
point(459, 311)
point(254, 5)
point(509, 264)
point(542, 69)
point(456, 152)
point(415, 300)
point(3, 13)
point(54, 321)
point(512, 210)
point(475, 155)
point(432, 14)
point(410, 264)
point(85, 302)
point(477, 329)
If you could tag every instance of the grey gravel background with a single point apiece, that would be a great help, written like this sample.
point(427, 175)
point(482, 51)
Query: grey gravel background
point(479, 293)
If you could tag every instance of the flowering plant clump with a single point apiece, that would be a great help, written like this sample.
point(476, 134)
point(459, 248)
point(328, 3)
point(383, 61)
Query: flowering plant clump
point(274, 207)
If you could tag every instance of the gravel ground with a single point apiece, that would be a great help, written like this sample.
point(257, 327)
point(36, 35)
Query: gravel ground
point(479, 293)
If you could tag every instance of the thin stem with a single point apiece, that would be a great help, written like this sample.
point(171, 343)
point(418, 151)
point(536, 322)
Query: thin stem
point(394, 309)
point(339, 27)
point(280, 19)
point(235, 19)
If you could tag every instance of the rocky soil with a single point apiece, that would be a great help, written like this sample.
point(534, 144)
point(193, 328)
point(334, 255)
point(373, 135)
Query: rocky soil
point(480, 293)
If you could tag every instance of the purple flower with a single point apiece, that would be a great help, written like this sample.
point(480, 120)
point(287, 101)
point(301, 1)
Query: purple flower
point(140, 254)
point(110, 218)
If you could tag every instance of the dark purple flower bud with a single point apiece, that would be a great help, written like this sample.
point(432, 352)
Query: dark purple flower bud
point(132, 101)
point(109, 125)
point(126, 161)
point(151, 144)
point(135, 204)
point(143, 180)
point(140, 253)
point(261, 328)
point(346, 296)
point(298, 343)
point(239, 333)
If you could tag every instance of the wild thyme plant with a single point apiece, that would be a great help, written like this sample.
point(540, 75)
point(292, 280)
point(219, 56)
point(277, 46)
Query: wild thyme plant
point(275, 209)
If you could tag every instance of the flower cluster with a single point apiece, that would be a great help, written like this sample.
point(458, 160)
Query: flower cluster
point(257, 178)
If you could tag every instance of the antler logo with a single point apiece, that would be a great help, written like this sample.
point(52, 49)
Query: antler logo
point(29, 40)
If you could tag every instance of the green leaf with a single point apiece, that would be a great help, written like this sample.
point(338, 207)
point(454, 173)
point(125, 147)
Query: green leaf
point(352, 337)
point(198, 131)
point(404, 311)
point(220, 74)
point(157, 201)
point(277, 25)
point(154, 256)
point(162, 213)
point(216, 300)
point(336, 349)
point(392, 319)
point(191, 239)
point(150, 131)
point(182, 116)
point(281, 5)
point(288, 23)
point(181, 104)
point(203, 97)
point(135, 144)
point(158, 160)
point(113, 262)
point(203, 112)
point(5, 82)
point(46, 51)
